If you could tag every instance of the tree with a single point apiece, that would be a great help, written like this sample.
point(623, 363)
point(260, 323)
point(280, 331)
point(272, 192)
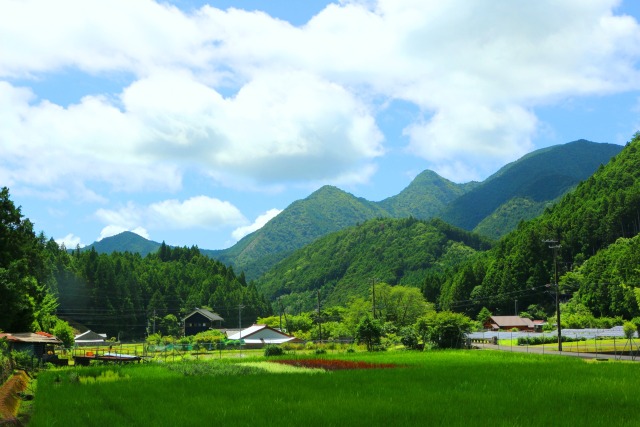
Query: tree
point(169, 325)
point(369, 332)
point(64, 333)
point(629, 329)
point(24, 270)
point(445, 329)
point(484, 315)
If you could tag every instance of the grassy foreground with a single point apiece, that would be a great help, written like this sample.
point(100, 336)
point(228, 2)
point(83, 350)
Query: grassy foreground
point(431, 388)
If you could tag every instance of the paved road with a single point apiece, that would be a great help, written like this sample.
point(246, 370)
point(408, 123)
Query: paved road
point(547, 350)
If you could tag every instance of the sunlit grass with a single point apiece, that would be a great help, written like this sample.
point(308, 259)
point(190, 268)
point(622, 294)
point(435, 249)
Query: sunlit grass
point(432, 388)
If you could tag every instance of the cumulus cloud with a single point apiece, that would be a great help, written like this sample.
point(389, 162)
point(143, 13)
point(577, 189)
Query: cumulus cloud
point(70, 241)
point(240, 232)
point(256, 98)
point(112, 230)
point(197, 212)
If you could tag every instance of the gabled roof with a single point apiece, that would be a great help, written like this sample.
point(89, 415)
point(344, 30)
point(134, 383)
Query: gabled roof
point(90, 336)
point(31, 337)
point(511, 321)
point(254, 330)
point(206, 313)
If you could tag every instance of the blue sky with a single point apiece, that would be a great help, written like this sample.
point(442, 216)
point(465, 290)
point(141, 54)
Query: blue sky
point(195, 122)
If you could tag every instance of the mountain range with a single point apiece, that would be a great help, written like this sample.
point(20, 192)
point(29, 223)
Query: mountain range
point(519, 191)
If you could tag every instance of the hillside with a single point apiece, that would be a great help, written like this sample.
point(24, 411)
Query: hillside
point(599, 211)
point(343, 264)
point(519, 191)
point(539, 177)
point(426, 196)
point(327, 210)
point(124, 242)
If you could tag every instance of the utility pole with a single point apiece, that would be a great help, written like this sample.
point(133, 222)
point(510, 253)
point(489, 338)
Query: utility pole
point(373, 292)
point(555, 246)
point(154, 320)
point(319, 318)
point(516, 307)
point(280, 304)
point(240, 307)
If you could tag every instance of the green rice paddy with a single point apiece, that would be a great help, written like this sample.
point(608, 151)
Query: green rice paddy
point(472, 388)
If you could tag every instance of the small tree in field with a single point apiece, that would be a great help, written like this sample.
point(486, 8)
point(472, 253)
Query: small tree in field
point(445, 329)
point(369, 332)
point(629, 329)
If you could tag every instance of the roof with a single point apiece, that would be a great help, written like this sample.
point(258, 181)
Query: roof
point(30, 337)
point(511, 321)
point(206, 313)
point(90, 336)
point(262, 333)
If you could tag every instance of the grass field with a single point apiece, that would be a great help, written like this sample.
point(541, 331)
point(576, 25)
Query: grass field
point(427, 388)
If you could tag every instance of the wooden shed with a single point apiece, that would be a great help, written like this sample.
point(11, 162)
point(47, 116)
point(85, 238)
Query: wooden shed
point(37, 344)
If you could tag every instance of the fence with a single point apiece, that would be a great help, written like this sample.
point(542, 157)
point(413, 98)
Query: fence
point(594, 342)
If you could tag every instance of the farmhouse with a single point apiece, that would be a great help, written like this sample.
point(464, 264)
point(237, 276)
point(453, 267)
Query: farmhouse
point(90, 338)
point(257, 336)
point(509, 322)
point(201, 320)
point(37, 344)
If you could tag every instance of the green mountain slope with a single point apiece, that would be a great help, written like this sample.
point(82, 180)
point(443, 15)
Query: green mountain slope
point(507, 216)
point(343, 264)
point(426, 196)
point(327, 210)
point(124, 242)
point(540, 176)
point(599, 211)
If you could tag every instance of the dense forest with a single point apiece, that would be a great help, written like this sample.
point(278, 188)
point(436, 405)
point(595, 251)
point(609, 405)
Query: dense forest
point(583, 225)
point(120, 294)
point(392, 251)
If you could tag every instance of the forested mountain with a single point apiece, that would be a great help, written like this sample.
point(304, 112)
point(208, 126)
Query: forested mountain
point(116, 293)
point(596, 214)
point(344, 264)
point(121, 293)
point(124, 242)
point(538, 177)
point(426, 196)
point(326, 210)
point(519, 191)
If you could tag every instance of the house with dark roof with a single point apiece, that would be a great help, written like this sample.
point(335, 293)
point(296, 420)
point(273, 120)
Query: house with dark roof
point(507, 323)
point(200, 320)
point(257, 336)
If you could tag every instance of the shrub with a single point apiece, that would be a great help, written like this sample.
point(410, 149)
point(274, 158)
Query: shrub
point(409, 338)
point(273, 350)
point(369, 332)
point(629, 329)
point(320, 351)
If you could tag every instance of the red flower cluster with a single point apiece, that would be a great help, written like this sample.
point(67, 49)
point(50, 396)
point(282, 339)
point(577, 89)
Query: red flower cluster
point(334, 365)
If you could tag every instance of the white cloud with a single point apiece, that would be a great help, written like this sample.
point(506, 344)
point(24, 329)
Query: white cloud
point(70, 241)
point(197, 212)
point(240, 232)
point(112, 230)
point(304, 96)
